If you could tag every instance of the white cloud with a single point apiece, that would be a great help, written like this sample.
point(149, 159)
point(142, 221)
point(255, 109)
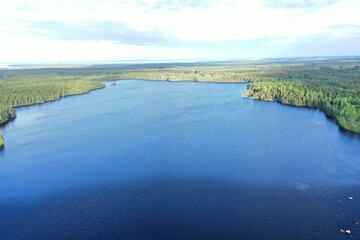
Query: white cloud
point(35, 49)
point(186, 21)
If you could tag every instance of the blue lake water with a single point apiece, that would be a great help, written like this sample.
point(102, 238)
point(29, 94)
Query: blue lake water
point(184, 160)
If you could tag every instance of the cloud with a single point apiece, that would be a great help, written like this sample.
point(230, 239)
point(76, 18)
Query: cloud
point(103, 31)
point(176, 5)
point(282, 41)
point(171, 20)
point(344, 30)
point(201, 28)
point(322, 45)
point(301, 4)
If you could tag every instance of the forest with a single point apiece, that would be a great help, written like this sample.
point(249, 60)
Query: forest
point(332, 85)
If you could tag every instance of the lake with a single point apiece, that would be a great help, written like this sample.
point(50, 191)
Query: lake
point(177, 160)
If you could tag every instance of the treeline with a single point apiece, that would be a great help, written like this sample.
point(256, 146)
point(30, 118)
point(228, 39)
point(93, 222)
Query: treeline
point(19, 93)
point(6, 113)
point(188, 75)
point(338, 97)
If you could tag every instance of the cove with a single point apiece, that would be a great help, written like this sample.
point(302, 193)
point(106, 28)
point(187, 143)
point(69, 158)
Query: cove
point(179, 160)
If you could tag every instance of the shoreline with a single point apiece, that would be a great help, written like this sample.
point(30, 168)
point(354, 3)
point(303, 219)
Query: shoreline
point(3, 124)
point(2, 145)
point(333, 118)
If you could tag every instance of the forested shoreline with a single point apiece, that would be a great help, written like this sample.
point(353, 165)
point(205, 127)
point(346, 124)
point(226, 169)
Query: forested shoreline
point(19, 90)
point(330, 85)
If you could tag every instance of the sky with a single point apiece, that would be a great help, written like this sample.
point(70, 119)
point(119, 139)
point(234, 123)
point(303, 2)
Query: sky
point(133, 30)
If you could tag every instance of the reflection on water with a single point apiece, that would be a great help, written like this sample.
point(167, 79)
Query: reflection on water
point(160, 160)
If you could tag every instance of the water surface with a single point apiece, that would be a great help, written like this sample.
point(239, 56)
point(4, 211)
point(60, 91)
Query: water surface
point(161, 160)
